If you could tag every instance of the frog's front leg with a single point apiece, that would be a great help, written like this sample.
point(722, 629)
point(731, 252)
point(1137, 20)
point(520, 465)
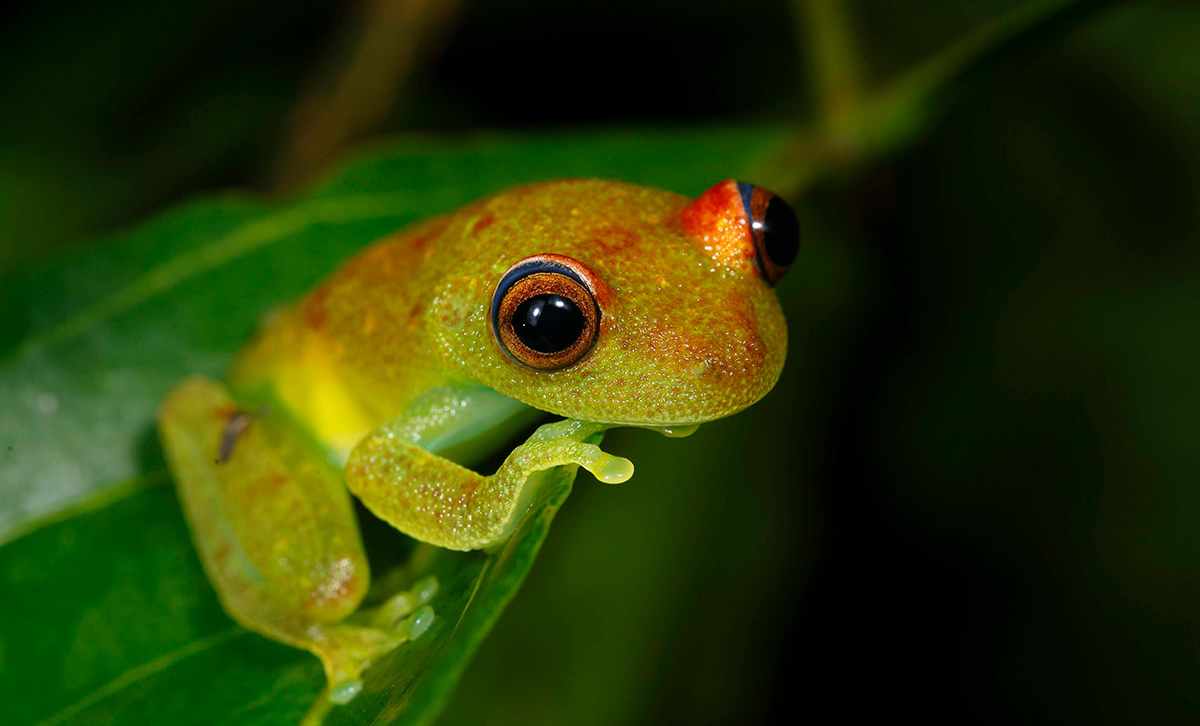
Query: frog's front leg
point(277, 534)
point(435, 500)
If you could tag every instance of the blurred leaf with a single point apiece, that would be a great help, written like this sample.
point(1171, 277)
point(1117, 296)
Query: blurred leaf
point(94, 341)
point(1039, 400)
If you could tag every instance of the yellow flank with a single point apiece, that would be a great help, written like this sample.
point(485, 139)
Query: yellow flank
point(298, 369)
point(601, 302)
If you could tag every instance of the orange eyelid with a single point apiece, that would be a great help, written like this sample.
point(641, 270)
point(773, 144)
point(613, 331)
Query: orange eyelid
point(717, 221)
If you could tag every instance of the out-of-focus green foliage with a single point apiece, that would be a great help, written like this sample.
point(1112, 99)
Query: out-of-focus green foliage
point(1045, 412)
point(973, 491)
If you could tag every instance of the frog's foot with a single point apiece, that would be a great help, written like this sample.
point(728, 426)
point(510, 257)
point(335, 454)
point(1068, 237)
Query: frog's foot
point(396, 608)
point(348, 649)
point(565, 442)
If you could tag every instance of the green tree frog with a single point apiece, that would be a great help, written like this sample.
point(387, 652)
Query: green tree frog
point(601, 302)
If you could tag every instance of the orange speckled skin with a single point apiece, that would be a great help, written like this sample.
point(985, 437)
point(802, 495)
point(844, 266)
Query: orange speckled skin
point(689, 331)
point(716, 219)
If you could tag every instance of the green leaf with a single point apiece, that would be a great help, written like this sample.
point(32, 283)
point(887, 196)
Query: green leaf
point(109, 616)
point(112, 609)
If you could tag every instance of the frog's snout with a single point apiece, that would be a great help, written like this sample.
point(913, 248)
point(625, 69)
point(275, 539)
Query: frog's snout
point(719, 358)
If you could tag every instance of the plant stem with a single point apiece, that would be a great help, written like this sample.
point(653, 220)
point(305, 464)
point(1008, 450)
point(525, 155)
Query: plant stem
point(834, 58)
point(358, 87)
point(856, 130)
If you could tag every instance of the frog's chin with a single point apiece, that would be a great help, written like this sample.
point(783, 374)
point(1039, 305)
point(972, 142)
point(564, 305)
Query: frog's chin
point(674, 431)
point(677, 428)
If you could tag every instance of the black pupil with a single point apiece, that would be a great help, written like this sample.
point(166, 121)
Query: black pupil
point(548, 323)
point(781, 232)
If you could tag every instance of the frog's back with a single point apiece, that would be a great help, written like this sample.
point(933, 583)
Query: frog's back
point(352, 353)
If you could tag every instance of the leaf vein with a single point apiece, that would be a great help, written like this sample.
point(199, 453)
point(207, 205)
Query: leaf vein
point(142, 672)
point(240, 241)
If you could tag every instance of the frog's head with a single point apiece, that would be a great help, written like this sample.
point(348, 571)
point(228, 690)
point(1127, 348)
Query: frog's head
point(620, 304)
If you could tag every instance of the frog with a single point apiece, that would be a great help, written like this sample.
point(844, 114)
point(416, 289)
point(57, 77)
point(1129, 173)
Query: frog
point(597, 303)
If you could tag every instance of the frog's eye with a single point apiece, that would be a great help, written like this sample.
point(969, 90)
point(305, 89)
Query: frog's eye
point(773, 228)
point(544, 312)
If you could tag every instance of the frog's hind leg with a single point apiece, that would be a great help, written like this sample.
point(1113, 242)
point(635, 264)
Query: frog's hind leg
point(276, 532)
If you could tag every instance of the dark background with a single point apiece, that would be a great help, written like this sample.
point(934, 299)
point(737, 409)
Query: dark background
point(981, 502)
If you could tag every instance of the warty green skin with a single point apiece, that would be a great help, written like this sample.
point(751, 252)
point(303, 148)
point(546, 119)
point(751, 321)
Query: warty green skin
point(389, 373)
